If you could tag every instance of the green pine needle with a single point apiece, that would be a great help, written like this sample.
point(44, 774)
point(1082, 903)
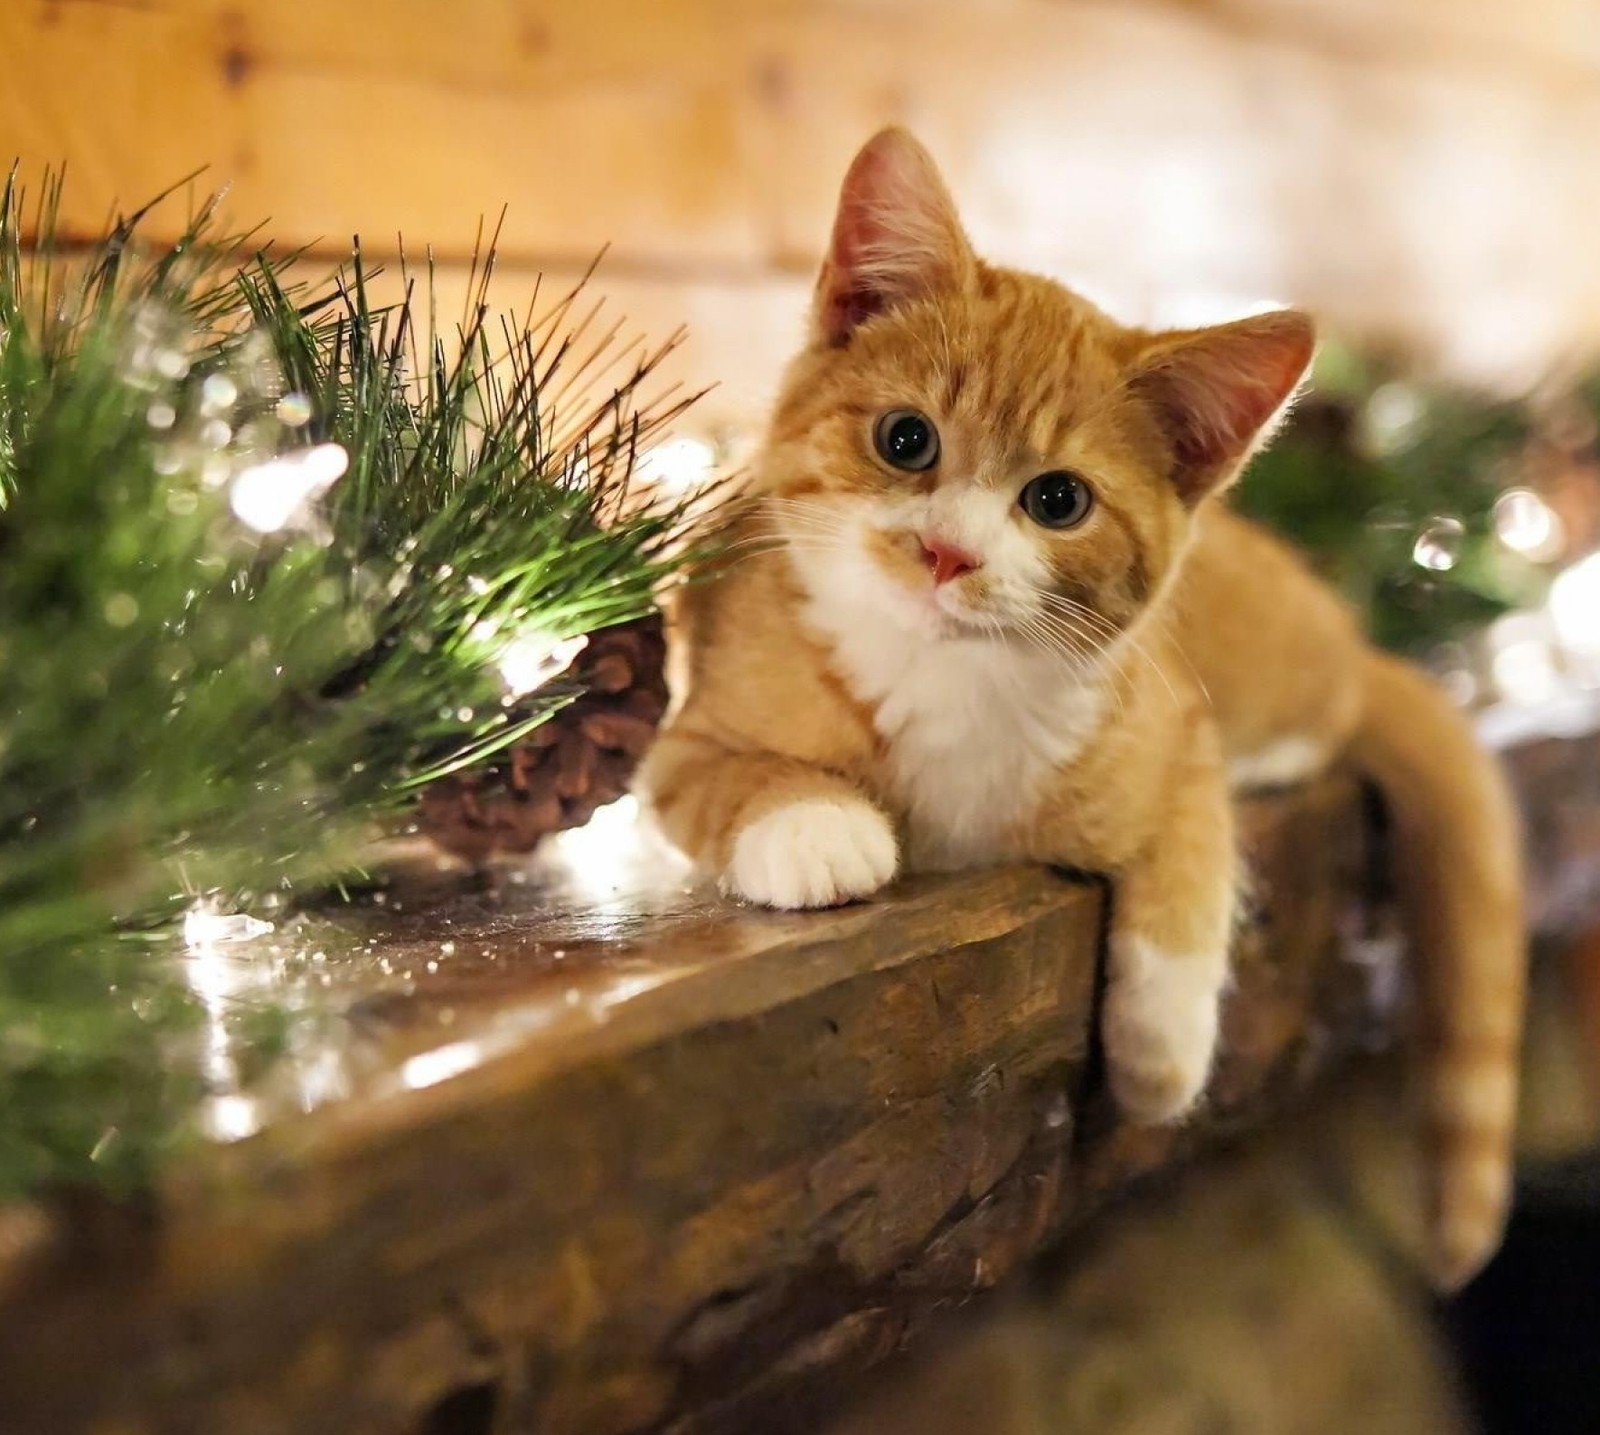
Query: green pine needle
point(191, 707)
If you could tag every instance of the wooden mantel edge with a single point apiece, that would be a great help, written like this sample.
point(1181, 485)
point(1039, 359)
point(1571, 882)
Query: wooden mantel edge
point(762, 1174)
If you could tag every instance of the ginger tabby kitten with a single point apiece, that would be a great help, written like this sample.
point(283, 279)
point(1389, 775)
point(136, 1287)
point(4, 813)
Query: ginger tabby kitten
point(993, 611)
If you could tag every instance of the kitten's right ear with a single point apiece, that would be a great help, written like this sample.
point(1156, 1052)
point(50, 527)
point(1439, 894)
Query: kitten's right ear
point(896, 237)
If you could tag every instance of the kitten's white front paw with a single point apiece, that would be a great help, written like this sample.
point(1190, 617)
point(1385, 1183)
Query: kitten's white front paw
point(815, 853)
point(1160, 1029)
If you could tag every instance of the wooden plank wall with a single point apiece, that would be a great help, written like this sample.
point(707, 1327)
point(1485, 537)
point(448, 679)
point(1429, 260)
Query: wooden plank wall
point(1420, 170)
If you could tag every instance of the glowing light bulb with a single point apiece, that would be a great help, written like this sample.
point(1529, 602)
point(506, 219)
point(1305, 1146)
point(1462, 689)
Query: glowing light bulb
point(1526, 524)
point(679, 464)
point(231, 1117)
point(1524, 665)
point(266, 496)
point(530, 661)
point(1574, 605)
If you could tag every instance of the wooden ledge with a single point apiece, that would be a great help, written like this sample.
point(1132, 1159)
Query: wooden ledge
point(630, 1159)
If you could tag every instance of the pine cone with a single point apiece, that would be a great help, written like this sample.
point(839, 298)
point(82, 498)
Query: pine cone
point(581, 759)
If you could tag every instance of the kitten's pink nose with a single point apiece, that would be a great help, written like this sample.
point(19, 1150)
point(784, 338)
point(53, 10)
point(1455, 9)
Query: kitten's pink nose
point(945, 561)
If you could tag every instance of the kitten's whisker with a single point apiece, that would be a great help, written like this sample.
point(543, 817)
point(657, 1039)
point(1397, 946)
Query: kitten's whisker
point(1062, 638)
point(1160, 615)
point(1081, 610)
point(1127, 640)
point(801, 505)
point(1074, 617)
point(1155, 667)
point(752, 540)
point(811, 525)
point(753, 545)
point(801, 508)
point(1092, 650)
point(814, 522)
point(1104, 634)
point(1117, 638)
point(766, 542)
point(1088, 655)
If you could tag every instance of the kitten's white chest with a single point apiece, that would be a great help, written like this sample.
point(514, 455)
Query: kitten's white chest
point(972, 731)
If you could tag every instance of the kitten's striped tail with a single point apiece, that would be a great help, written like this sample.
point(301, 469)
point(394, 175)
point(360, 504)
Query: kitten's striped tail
point(1459, 871)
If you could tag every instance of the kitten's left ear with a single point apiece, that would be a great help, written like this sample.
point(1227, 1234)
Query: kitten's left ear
point(896, 237)
point(1219, 393)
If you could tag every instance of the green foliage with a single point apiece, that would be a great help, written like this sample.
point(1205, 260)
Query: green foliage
point(1367, 468)
point(191, 706)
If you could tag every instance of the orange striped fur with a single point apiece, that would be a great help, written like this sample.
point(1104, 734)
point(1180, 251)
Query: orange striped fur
point(907, 666)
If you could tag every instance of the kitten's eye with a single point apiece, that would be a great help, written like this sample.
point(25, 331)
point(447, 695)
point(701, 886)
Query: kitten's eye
point(905, 439)
point(1057, 500)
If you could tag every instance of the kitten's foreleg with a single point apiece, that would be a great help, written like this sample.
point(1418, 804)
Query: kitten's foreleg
point(1172, 920)
point(776, 830)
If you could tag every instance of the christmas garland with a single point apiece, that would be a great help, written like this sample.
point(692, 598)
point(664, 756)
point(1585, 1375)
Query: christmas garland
point(1434, 508)
point(272, 561)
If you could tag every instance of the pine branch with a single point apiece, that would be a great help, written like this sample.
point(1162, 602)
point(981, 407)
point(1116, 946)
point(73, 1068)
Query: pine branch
point(223, 658)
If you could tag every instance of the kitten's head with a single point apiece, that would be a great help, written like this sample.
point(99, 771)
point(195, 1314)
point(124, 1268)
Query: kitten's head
point(972, 451)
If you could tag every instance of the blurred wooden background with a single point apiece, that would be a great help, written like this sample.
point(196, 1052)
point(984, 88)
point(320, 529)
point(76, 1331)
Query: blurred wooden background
point(1413, 169)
